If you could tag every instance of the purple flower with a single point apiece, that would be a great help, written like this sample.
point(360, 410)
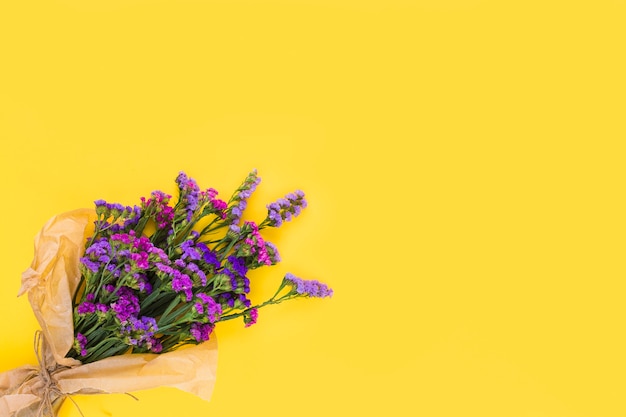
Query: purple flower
point(308, 288)
point(189, 250)
point(114, 270)
point(140, 333)
point(239, 199)
point(239, 265)
point(233, 231)
point(189, 195)
point(227, 298)
point(100, 247)
point(116, 209)
point(235, 214)
point(200, 331)
point(147, 326)
point(101, 208)
point(142, 283)
point(165, 268)
point(80, 344)
point(127, 304)
point(273, 215)
point(133, 218)
point(86, 308)
point(182, 283)
point(158, 254)
point(202, 276)
point(154, 344)
point(199, 308)
point(208, 256)
point(243, 300)
point(207, 304)
point(89, 264)
point(192, 267)
point(231, 276)
point(285, 209)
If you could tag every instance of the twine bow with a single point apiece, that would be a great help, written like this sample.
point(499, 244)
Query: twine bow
point(50, 391)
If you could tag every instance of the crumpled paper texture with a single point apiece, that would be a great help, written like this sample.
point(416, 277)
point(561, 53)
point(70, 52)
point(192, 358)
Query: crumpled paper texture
point(50, 282)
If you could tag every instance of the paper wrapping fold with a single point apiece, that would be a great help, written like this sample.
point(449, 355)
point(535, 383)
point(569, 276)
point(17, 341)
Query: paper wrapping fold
point(50, 282)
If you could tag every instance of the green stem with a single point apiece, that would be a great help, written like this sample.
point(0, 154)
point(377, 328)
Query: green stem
point(97, 350)
point(175, 303)
point(268, 302)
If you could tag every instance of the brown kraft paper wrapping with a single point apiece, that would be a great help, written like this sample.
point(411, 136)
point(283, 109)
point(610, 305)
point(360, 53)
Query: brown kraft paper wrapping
point(50, 282)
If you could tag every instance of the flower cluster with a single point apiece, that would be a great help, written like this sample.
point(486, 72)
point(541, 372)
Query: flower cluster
point(285, 208)
point(158, 276)
point(239, 200)
point(308, 288)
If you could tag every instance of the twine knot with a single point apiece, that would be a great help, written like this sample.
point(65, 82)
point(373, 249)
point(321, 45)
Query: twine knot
point(50, 391)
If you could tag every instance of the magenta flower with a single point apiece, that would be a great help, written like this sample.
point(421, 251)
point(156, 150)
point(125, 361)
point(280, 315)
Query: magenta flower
point(251, 317)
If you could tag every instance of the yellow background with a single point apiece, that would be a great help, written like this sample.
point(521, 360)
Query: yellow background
point(463, 159)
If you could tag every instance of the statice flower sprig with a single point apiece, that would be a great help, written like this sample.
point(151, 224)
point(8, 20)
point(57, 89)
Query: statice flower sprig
point(291, 287)
point(285, 209)
point(159, 275)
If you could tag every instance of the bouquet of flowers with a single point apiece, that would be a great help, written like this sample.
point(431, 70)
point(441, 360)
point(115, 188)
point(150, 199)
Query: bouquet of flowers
point(119, 290)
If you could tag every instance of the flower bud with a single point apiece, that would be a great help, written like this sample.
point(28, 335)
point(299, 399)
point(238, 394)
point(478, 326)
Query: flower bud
point(222, 281)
